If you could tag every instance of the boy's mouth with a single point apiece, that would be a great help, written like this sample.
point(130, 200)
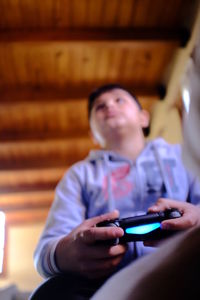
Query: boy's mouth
point(110, 114)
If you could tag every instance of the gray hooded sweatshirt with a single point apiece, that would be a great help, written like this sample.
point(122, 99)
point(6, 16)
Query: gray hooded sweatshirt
point(105, 181)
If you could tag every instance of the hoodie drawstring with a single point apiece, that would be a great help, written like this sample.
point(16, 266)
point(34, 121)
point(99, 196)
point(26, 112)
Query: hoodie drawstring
point(163, 173)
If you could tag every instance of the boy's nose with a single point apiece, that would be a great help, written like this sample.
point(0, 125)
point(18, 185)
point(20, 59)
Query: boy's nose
point(109, 104)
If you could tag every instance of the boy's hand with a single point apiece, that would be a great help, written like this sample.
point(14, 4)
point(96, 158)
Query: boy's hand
point(190, 214)
point(78, 252)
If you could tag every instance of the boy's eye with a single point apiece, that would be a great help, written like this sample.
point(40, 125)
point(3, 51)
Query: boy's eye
point(100, 106)
point(119, 100)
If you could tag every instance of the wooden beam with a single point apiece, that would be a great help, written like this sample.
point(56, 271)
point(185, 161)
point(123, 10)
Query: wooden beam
point(73, 92)
point(29, 120)
point(87, 35)
point(26, 216)
point(41, 154)
point(26, 200)
point(30, 180)
point(43, 120)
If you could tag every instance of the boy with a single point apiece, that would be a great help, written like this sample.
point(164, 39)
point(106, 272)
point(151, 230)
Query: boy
point(128, 176)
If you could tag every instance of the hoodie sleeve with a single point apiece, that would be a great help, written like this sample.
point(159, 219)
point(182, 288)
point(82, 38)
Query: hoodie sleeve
point(66, 213)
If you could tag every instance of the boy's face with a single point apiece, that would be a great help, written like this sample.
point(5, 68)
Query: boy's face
point(114, 111)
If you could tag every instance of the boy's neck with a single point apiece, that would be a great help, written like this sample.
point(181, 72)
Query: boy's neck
point(129, 147)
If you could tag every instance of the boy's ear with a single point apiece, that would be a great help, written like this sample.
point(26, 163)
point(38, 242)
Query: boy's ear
point(145, 118)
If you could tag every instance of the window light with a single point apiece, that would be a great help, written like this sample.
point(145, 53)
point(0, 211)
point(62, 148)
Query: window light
point(186, 99)
point(2, 239)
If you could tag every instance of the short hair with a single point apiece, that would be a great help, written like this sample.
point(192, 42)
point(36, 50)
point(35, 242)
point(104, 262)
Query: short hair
point(106, 88)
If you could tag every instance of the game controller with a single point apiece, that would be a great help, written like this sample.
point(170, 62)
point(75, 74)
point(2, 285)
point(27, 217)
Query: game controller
point(143, 227)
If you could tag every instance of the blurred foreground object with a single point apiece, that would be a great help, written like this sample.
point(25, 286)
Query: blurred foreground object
point(191, 120)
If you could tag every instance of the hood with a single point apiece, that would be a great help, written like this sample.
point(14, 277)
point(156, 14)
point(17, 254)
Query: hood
point(113, 156)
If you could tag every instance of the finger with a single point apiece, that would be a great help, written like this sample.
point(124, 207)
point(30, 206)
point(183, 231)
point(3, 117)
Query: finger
point(108, 216)
point(164, 204)
point(103, 252)
point(93, 234)
point(104, 265)
point(181, 223)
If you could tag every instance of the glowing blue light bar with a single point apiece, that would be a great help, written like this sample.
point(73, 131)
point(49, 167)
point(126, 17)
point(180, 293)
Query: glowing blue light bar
point(142, 229)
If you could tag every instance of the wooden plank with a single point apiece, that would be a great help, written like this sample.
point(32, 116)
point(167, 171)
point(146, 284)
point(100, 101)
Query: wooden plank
point(95, 12)
point(102, 62)
point(44, 11)
point(89, 59)
point(28, 13)
point(78, 35)
point(125, 18)
point(67, 13)
point(110, 12)
point(64, 14)
point(78, 12)
point(42, 62)
point(6, 64)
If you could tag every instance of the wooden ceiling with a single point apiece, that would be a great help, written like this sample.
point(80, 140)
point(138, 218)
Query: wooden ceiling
point(52, 54)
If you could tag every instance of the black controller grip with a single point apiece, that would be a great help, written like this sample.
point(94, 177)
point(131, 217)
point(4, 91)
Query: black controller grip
point(143, 227)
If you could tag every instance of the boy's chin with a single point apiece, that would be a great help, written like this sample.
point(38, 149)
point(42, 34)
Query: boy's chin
point(116, 123)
